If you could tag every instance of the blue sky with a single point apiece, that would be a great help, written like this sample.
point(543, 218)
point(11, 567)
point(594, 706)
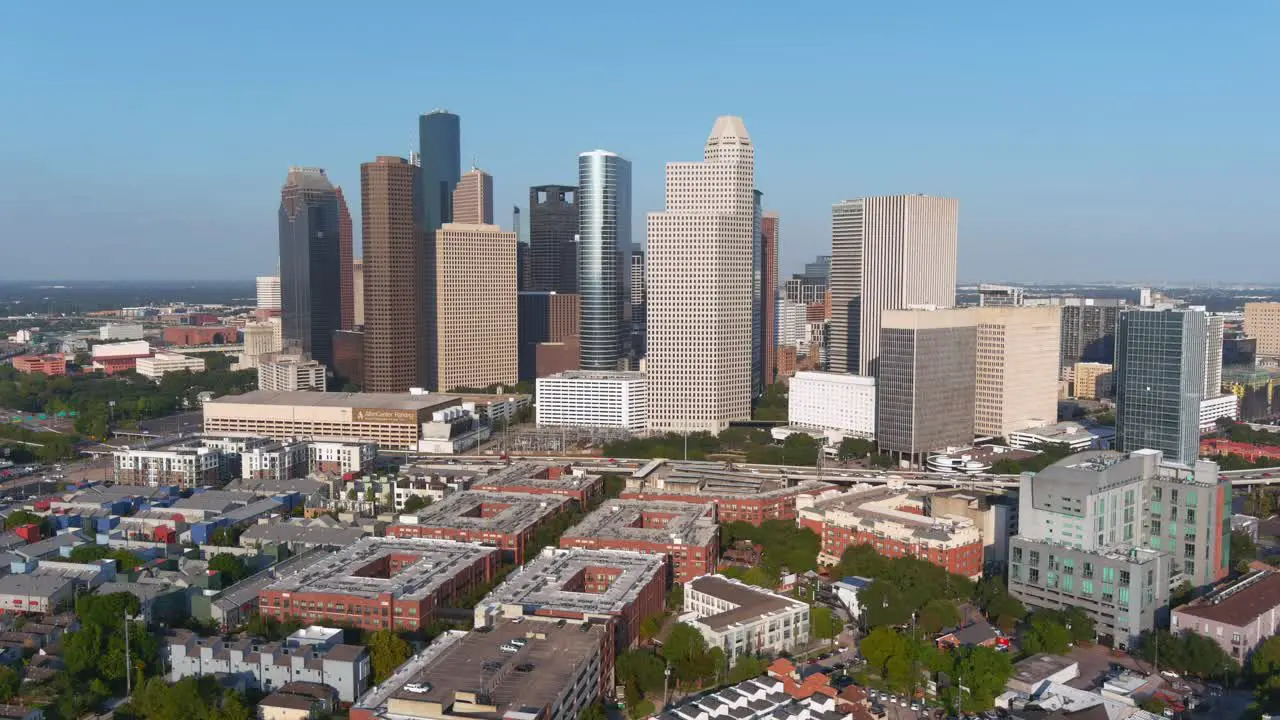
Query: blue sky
point(1093, 140)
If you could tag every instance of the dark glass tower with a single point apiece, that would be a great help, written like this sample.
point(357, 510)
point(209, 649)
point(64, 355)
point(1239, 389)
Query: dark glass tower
point(553, 229)
point(604, 257)
point(440, 155)
point(1159, 381)
point(310, 265)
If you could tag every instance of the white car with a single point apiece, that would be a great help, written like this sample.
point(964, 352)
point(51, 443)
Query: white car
point(1169, 675)
point(419, 688)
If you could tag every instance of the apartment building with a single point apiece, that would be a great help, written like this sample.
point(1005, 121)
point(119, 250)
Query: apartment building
point(743, 619)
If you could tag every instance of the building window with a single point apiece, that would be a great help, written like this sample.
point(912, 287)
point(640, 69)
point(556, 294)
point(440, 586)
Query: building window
point(1086, 587)
point(1035, 557)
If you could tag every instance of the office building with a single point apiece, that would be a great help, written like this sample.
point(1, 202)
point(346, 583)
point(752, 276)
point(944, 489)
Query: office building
point(757, 296)
point(310, 655)
point(1017, 368)
point(542, 669)
point(926, 387)
point(638, 288)
point(619, 588)
point(699, 258)
point(1073, 435)
point(839, 402)
point(553, 230)
point(738, 495)
point(473, 199)
point(1214, 332)
point(115, 333)
point(440, 168)
point(593, 398)
point(394, 421)
point(994, 514)
point(1093, 381)
point(310, 269)
point(1239, 617)
point(1159, 381)
point(346, 263)
point(396, 330)
point(475, 307)
point(894, 521)
point(743, 619)
point(112, 358)
point(686, 533)
point(357, 292)
point(604, 252)
point(163, 363)
point(547, 329)
point(1213, 409)
point(288, 373)
point(1112, 532)
point(51, 365)
point(887, 253)
point(792, 318)
point(769, 226)
point(380, 583)
point(268, 292)
point(1088, 328)
point(259, 340)
point(1262, 324)
point(990, 295)
point(504, 520)
point(348, 358)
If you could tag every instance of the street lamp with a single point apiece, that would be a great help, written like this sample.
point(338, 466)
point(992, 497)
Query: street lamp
point(666, 681)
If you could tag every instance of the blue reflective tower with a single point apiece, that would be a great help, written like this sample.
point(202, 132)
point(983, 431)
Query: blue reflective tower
point(440, 153)
point(604, 256)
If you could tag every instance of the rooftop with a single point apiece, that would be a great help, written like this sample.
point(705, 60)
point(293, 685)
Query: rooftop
point(762, 698)
point(718, 480)
point(879, 510)
point(380, 401)
point(615, 375)
point(214, 501)
point(1037, 668)
point(664, 523)
point(538, 475)
point(305, 533)
point(435, 563)
point(1241, 603)
point(266, 652)
point(548, 581)
point(475, 667)
point(503, 512)
point(750, 602)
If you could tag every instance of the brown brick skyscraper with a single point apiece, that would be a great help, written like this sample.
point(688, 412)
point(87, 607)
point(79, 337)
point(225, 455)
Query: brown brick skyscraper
point(346, 280)
point(394, 268)
point(769, 295)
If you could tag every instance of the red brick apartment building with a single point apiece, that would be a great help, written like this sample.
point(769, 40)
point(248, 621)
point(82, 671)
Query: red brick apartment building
point(686, 533)
point(541, 479)
point(55, 364)
point(893, 522)
point(738, 496)
point(506, 520)
point(380, 583)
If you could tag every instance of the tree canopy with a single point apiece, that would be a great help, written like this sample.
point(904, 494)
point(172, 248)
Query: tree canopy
point(785, 544)
point(692, 662)
point(1188, 653)
point(387, 651)
point(231, 566)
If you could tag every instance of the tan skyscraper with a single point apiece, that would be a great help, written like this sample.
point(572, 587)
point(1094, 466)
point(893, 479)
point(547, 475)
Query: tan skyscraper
point(357, 285)
point(699, 268)
point(1017, 368)
point(475, 306)
point(887, 253)
point(1093, 380)
point(473, 199)
point(394, 266)
point(1262, 322)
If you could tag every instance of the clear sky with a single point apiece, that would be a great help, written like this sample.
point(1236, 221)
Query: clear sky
point(1086, 140)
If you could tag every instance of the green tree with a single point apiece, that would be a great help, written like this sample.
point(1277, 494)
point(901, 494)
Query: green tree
point(984, 672)
point(824, 624)
point(643, 709)
point(800, 449)
point(18, 518)
point(231, 566)
point(1243, 550)
point(1045, 634)
point(125, 560)
point(651, 626)
point(1079, 624)
point(415, 503)
point(879, 646)
point(691, 660)
point(1154, 705)
point(1182, 594)
point(937, 615)
point(614, 484)
point(854, 448)
point(747, 667)
point(755, 575)
point(10, 681)
point(641, 667)
point(594, 711)
point(387, 651)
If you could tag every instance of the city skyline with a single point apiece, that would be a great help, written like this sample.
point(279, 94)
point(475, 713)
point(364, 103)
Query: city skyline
point(1022, 163)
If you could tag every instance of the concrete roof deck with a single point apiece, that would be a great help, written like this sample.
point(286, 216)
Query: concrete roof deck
point(540, 582)
point(381, 401)
point(463, 510)
point(692, 523)
point(751, 602)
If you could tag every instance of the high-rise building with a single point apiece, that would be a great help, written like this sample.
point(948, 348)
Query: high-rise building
point(357, 292)
point(1215, 329)
point(1088, 328)
point(1093, 381)
point(791, 322)
point(473, 198)
point(1159, 381)
point(547, 318)
point(440, 157)
point(1003, 295)
point(1017, 368)
point(1262, 323)
point(268, 292)
point(769, 225)
point(926, 388)
point(346, 260)
point(887, 253)
point(394, 267)
point(475, 307)
point(309, 262)
point(604, 252)
point(638, 290)
point(553, 228)
point(757, 294)
point(699, 288)
point(287, 373)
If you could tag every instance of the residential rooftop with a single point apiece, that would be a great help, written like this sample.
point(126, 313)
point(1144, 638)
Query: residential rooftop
point(437, 563)
point(749, 602)
point(301, 533)
point(1240, 603)
point(214, 501)
point(503, 512)
point(546, 581)
point(880, 508)
point(537, 475)
point(716, 480)
point(663, 523)
point(1037, 668)
point(380, 401)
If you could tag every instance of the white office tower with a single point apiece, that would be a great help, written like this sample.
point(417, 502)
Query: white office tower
point(269, 292)
point(700, 288)
point(833, 401)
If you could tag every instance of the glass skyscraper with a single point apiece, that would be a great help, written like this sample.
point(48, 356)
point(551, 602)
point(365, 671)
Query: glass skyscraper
point(1159, 381)
point(604, 256)
point(757, 296)
point(440, 155)
point(310, 273)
